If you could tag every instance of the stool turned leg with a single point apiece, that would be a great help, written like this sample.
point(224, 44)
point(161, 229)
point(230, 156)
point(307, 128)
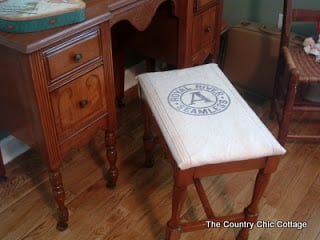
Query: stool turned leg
point(148, 147)
point(148, 138)
point(251, 212)
point(173, 231)
point(3, 177)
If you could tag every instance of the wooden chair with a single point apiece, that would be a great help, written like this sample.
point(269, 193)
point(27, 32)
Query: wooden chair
point(295, 71)
point(206, 129)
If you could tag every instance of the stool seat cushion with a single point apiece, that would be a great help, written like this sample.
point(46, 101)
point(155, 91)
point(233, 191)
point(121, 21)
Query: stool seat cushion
point(203, 118)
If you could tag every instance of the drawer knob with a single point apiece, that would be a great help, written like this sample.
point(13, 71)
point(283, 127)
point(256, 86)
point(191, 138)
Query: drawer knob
point(83, 103)
point(77, 57)
point(208, 29)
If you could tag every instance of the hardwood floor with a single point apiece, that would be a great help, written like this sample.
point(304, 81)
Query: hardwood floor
point(140, 206)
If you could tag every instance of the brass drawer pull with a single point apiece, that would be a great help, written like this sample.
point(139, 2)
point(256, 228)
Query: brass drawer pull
point(208, 29)
point(77, 57)
point(83, 103)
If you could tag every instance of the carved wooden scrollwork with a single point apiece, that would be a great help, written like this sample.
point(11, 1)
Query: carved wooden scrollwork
point(141, 17)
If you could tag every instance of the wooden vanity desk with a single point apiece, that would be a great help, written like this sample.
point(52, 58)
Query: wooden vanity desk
point(179, 32)
point(58, 87)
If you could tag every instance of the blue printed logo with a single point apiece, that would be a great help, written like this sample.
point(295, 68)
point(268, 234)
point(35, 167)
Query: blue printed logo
point(198, 99)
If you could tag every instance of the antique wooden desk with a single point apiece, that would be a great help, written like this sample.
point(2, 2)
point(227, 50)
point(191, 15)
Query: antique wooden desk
point(58, 87)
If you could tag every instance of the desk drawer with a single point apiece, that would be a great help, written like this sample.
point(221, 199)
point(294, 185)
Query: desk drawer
point(202, 4)
point(79, 102)
point(72, 53)
point(204, 29)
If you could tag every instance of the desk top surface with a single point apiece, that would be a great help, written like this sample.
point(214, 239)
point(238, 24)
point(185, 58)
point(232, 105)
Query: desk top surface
point(97, 11)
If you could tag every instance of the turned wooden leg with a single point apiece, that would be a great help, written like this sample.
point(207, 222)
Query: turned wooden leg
point(148, 141)
point(59, 195)
point(173, 231)
point(113, 173)
point(251, 212)
point(148, 138)
point(3, 177)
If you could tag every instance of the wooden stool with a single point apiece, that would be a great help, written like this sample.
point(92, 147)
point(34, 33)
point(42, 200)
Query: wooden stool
point(206, 129)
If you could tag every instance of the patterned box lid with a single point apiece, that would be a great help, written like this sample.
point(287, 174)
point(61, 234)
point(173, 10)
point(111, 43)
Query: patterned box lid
point(36, 15)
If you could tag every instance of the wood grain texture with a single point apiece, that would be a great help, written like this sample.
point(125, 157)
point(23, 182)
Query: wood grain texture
point(140, 205)
point(140, 18)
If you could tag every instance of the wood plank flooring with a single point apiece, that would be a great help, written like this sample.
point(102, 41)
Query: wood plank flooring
point(140, 206)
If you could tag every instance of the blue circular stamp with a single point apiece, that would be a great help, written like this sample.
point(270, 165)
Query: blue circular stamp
point(198, 99)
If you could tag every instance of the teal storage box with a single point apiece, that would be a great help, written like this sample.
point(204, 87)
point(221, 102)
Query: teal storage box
point(21, 16)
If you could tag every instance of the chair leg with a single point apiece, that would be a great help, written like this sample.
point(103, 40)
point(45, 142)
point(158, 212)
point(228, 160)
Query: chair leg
point(287, 110)
point(173, 231)
point(251, 212)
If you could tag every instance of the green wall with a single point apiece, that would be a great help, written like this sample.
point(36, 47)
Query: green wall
point(264, 11)
point(236, 11)
point(267, 11)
